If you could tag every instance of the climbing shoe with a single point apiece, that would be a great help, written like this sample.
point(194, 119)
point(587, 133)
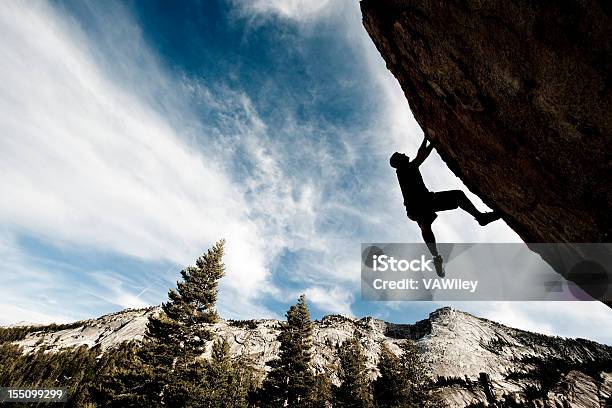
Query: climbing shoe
point(438, 264)
point(486, 218)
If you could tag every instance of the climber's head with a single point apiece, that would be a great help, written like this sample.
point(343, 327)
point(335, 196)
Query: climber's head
point(397, 159)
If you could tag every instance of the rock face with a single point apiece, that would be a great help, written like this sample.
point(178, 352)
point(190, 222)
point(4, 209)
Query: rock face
point(106, 331)
point(518, 96)
point(467, 356)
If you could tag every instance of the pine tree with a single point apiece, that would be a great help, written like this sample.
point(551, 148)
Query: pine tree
point(291, 379)
point(166, 369)
point(249, 376)
point(123, 379)
point(219, 372)
point(247, 379)
point(415, 377)
point(388, 391)
point(403, 381)
point(224, 383)
point(355, 390)
point(321, 394)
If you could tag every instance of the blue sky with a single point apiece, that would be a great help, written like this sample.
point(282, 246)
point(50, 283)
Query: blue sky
point(136, 134)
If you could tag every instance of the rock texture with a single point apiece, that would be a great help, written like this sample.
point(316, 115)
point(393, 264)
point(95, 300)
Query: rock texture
point(456, 347)
point(517, 94)
point(106, 331)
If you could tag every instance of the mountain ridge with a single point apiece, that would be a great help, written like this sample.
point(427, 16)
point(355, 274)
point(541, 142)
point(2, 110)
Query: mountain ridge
point(456, 347)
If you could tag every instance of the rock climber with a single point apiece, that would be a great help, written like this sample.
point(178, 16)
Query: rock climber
point(422, 204)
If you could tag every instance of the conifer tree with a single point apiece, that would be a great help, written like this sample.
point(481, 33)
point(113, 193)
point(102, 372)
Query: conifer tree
point(225, 387)
point(219, 375)
point(403, 381)
point(249, 376)
point(415, 377)
point(321, 394)
point(388, 391)
point(355, 390)
point(291, 379)
point(166, 368)
point(123, 379)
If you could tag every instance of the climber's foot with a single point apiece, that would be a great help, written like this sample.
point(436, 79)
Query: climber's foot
point(486, 218)
point(438, 264)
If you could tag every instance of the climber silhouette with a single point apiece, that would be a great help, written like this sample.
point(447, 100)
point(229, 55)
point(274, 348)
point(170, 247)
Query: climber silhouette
point(422, 204)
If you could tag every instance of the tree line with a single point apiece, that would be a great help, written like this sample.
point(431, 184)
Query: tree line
point(168, 368)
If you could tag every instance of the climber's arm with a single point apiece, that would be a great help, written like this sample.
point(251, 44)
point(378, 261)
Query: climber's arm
point(423, 152)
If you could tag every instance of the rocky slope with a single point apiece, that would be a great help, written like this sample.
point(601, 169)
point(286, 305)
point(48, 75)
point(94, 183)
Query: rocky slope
point(457, 348)
point(518, 96)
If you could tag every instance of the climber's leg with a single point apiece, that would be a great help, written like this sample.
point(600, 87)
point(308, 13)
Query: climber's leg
point(430, 241)
point(428, 237)
point(450, 200)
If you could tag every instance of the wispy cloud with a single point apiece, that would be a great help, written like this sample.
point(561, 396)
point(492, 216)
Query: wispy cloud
point(337, 300)
point(87, 162)
point(24, 292)
point(295, 10)
point(91, 161)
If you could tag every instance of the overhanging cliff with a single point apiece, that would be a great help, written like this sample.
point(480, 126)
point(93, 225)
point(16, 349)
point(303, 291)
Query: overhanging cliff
point(517, 94)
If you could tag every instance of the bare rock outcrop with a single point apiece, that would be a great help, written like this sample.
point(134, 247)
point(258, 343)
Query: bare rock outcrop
point(459, 350)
